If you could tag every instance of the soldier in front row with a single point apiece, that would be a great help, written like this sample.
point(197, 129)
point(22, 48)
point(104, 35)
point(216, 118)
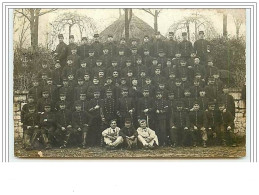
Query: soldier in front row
point(111, 136)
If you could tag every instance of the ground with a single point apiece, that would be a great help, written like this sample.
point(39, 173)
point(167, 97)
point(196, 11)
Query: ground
point(165, 152)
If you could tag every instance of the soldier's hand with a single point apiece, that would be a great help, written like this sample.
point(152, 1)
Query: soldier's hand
point(185, 128)
point(28, 127)
point(203, 128)
point(157, 111)
point(45, 120)
point(195, 127)
point(79, 129)
point(36, 126)
point(146, 110)
point(225, 110)
point(97, 107)
point(63, 128)
point(130, 111)
point(229, 128)
point(69, 126)
point(189, 67)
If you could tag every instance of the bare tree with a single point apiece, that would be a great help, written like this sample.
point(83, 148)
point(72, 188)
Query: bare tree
point(83, 23)
point(239, 16)
point(33, 15)
point(21, 29)
point(128, 16)
point(155, 13)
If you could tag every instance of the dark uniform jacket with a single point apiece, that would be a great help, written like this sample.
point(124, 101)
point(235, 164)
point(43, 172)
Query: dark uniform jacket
point(80, 118)
point(185, 48)
point(31, 119)
point(131, 131)
point(226, 119)
point(62, 51)
point(83, 51)
point(229, 102)
point(197, 118)
point(172, 48)
point(163, 107)
point(91, 62)
point(48, 119)
point(36, 91)
point(201, 48)
point(70, 46)
point(109, 109)
point(157, 45)
point(179, 119)
point(63, 118)
point(125, 104)
point(145, 103)
point(212, 118)
point(97, 47)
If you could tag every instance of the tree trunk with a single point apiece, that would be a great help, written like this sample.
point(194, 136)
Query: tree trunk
point(155, 21)
point(188, 31)
point(225, 25)
point(127, 25)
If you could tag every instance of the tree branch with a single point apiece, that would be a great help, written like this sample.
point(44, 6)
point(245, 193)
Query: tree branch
point(148, 11)
point(51, 10)
point(23, 14)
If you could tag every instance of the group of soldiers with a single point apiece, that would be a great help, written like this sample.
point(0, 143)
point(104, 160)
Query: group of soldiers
point(157, 92)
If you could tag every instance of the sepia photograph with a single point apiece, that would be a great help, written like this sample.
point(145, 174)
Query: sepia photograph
point(129, 83)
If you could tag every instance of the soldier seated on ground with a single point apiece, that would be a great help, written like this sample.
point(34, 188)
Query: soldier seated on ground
point(129, 134)
point(146, 136)
point(111, 136)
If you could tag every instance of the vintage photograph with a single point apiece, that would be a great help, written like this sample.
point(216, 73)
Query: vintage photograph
point(129, 83)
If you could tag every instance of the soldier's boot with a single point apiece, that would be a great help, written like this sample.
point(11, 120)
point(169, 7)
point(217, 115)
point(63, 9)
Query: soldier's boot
point(84, 139)
point(46, 141)
point(27, 142)
point(33, 138)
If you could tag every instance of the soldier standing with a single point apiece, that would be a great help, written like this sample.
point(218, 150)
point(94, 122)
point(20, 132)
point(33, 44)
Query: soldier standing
point(97, 46)
point(61, 51)
point(185, 47)
point(172, 46)
point(83, 49)
point(202, 48)
point(71, 44)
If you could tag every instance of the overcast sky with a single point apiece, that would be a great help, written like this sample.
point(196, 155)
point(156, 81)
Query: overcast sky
point(104, 17)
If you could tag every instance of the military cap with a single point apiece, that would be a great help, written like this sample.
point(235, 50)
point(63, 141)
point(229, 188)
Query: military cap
point(160, 51)
point(96, 35)
point(84, 38)
point(201, 32)
point(105, 47)
point(95, 77)
point(184, 34)
point(83, 61)
point(158, 68)
point(125, 89)
point(130, 71)
point(134, 48)
point(187, 90)
point(82, 93)
point(221, 103)
point(147, 78)
point(145, 90)
point(154, 58)
point(60, 36)
point(77, 103)
point(121, 49)
point(225, 86)
point(110, 35)
point(61, 103)
point(196, 102)
point(146, 36)
point(32, 107)
point(146, 49)
point(45, 90)
point(99, 60)
point(128, 120)
point(142, 120)
point(109, 77)
point(80, 79)
point(57, 61)
point(71, 36)
point(47, 105)
point(139, 58)
point(91, 51)
point(49, 78)
point(108, 91)
point(122, 38)
point(211, 103)
point(134, 78)
point(178, 80)
point(96, 92)
point(65, 79)
point(196, 80)
point(62, 92)
point(157, 33)
point(171, 33)
point(171, 93)
point(158, 92)
point(30, 96)
point(123, 78)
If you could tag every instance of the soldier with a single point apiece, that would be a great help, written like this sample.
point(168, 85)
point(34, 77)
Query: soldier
point(57, 74)
point(52, 89)
point(97, 46)
point(212, 118)
point(139, 66)
point(142, 78)
point(161, 58)
point(198, 68)
point(63, 100)
point(161, 108)
point(211, 90)
point(148, 85)
point(95, 107)
point(71, 44)
point(101, 77)
point(168, 69)
point(125, 107)
point(84, 69)
point(83, 49)
point(202, 47)
point(146, 136)
point(99, 66)
point(114, 67)
point(94, 87)
point(71, 80)
point(91, 60)
point(106, 57)
point(109, 108)
point(210, 69)
point(178, 90)
point(227, 126)
point(30, 126)
point(185, 82)
point(127, 68)
point(67, 90)
point(158, 44)
point(36, 90)
point(179, 124)
point(121, 58)
point(228, 100)
point(123, 47)
point(80, 123)
point(172, 46)
point(203, 100)
point(111, 46)
point(111, 136)
point(75, 57)
point(176, 60)
point(147, 59)
point(197, 125)
point(61, 51)
point(163, 89)
point(84, 103)
point(64, 124)
point(195, 89)
point(185, 47)
point(218, 83)
point(70, 69)
point(146, 46)
point(45, 99)
point(45, 69)
point(47, 126)
point(145, 108)
point(157, 77)
point(129, 135)
point(188, 100)
point(134, 56)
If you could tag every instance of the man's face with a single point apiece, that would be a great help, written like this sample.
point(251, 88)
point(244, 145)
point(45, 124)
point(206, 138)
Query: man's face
point(45, 94)
point(179, 108)
point(113, 124)
point(134, 42)
point(161, 54)
point(198, 76)
point(62, 106)
point(161, 86)
point(127, 124)
point(122, 41)
point(99, 63)
point(134, 82)
point(178, 55)
point(196, 107)
point(172, 76)
point(123, 82)
point(65, 83)
point(124, 93)
point(202, 93)
point(211, 82)
point(35, 83)
point(184, 79)
point(157, 71)
point(101, 74)
point(70, 77)
point(82, 97)
point(30, 99)
point(148, 81)
point(84, 41)
point(210, 63)
point(62, 97)
point(91, 54)
point(196, 60)
point(86, 77)
point(211, 107)
point(171, 37)
point(178, 83)
point(47, 109)
point(71, 40)
point(183, 63)
point(169, 63)
point(80, 82)
point(146, 53)
point(143, 124)
point(216, 76)
point(32, 110)
point(171, 96)
point(105, 51)
point(96, 95)
point(69, 62)
point(115, 74)
point(73, 51)
point(108, 94)
point(142, 74)
point(146, 93)
point(95, 81)
point(158, 36)
point(201, 36)
point(78, 108)
point(196, 83)
point(128, 64)
point(129, 74)
point(159, 96)
point(185, 37)
point(154, 62)
point(110, 39)
point(134, 51)
point(221, 108)
point(61, 39)
point(83, 65)
point(114, 64)
point(121, 53)
point(146, 39)
point(139, 61)
point(49, 82)
point(44, 66)
point(225, 90)
point(57, 65)
point(44, 76)
point(187, 93)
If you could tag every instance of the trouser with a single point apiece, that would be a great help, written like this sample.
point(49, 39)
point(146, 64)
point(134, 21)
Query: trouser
point(177, 136)
point(161, 131)
point(81, 135)
point(130, 143)
point(113, 142)
point(47, 134)
point(228, 136)
point(28, 133)
point(144, 141)
point(214, 135)
point(95, 133)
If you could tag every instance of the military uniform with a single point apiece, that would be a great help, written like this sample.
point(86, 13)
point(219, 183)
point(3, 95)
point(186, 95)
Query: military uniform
point(172, 47)
point(202, 48)
point(62, 52)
